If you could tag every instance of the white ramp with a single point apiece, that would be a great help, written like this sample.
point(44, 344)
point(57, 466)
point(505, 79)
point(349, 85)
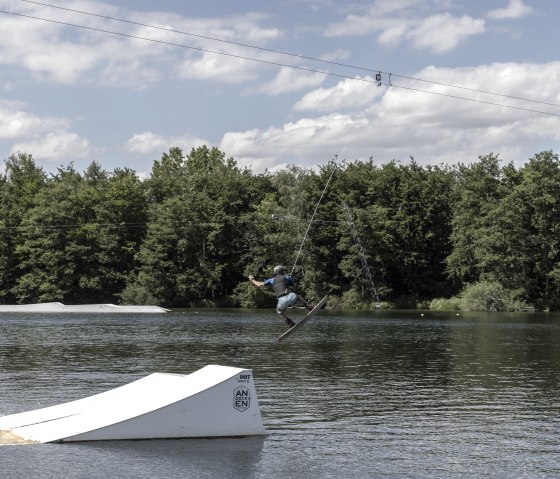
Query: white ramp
point(215, 401)
point(57, 307)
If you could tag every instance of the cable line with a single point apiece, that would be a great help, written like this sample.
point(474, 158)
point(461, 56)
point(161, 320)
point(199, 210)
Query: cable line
point(362, 255)
point(269, 62)
point(180, 45)
point(295, 55)
point(312, 217)
point(474, 100)
point(474, 90)
point(205, 37)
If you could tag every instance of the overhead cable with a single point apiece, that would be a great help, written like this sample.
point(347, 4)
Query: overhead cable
point(301, 68)
point(295, 55)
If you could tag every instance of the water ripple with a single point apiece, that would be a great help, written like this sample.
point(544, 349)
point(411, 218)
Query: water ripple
point(380, 395)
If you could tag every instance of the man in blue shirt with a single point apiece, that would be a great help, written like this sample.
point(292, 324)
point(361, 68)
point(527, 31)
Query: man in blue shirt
point(281, 284)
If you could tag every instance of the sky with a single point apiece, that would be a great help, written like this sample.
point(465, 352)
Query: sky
point(289, 82)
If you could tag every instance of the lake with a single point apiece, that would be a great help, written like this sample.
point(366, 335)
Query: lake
point(388, 394)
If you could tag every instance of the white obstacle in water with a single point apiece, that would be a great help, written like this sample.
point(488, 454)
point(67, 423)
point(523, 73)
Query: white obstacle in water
point(215, 401)
point(57, 307)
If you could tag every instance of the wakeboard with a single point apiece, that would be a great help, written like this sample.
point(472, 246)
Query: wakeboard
point(309, 315)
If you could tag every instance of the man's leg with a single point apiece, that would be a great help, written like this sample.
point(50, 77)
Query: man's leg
point(308, 306)
point(282, 305)
point(289, 322)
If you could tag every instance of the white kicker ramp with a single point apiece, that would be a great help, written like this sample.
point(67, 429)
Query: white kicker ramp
point(57, 307)
point(215, 401)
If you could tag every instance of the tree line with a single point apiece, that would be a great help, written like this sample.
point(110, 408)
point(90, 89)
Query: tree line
point(192, 232)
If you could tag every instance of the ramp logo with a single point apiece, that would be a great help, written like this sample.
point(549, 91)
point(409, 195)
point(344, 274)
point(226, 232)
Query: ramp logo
point(241, 398)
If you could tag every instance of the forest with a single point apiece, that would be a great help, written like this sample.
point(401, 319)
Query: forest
point(482, 236)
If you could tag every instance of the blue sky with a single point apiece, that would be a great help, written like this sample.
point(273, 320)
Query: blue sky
point(75, 94)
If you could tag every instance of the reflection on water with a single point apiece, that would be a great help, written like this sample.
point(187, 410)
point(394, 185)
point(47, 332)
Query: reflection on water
point(386, 394)
point(197, 458)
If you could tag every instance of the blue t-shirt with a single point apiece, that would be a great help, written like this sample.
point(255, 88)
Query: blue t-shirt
point(287, 276)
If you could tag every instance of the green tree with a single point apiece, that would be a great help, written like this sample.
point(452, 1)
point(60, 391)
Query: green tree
point(196, 238)
point(478, 191)
point(166, 180)
point(79, 240)
point(19, 187)
point(403, 219)
point(51, 254)
point(423, 225)
point(520, 245)
point(541, 180)
point(120, 213)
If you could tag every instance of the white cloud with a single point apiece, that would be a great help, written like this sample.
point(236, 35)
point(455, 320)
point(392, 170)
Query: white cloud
point(67, 66)
point(391, 36)
point(515, 9)
point(220, 59)
point(351, 116)
point(336, 55)
point(145, 142)
point(16, 122)
point(40, 47)
point(149, 142)
point(304, 140)
point(382, 7)
point(217, 67)
point(290, 80)
point(355, 25)
point(349, 93)
point(443, 32)
point(247, 29)
point(47, 138)
point(55, 146)
point(381, 16)
point(68, 55)
point(432, 128)
point(398, 21)
point(523, 80)
point(134, 74)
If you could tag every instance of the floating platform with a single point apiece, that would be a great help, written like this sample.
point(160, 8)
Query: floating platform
point(215, 401)
point(78, 308)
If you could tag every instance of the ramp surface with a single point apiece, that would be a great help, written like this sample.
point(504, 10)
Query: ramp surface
point(57, 307)
point(215, 401)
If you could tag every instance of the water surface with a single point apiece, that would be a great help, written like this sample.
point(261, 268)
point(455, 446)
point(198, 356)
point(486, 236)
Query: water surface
point(384, 394)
